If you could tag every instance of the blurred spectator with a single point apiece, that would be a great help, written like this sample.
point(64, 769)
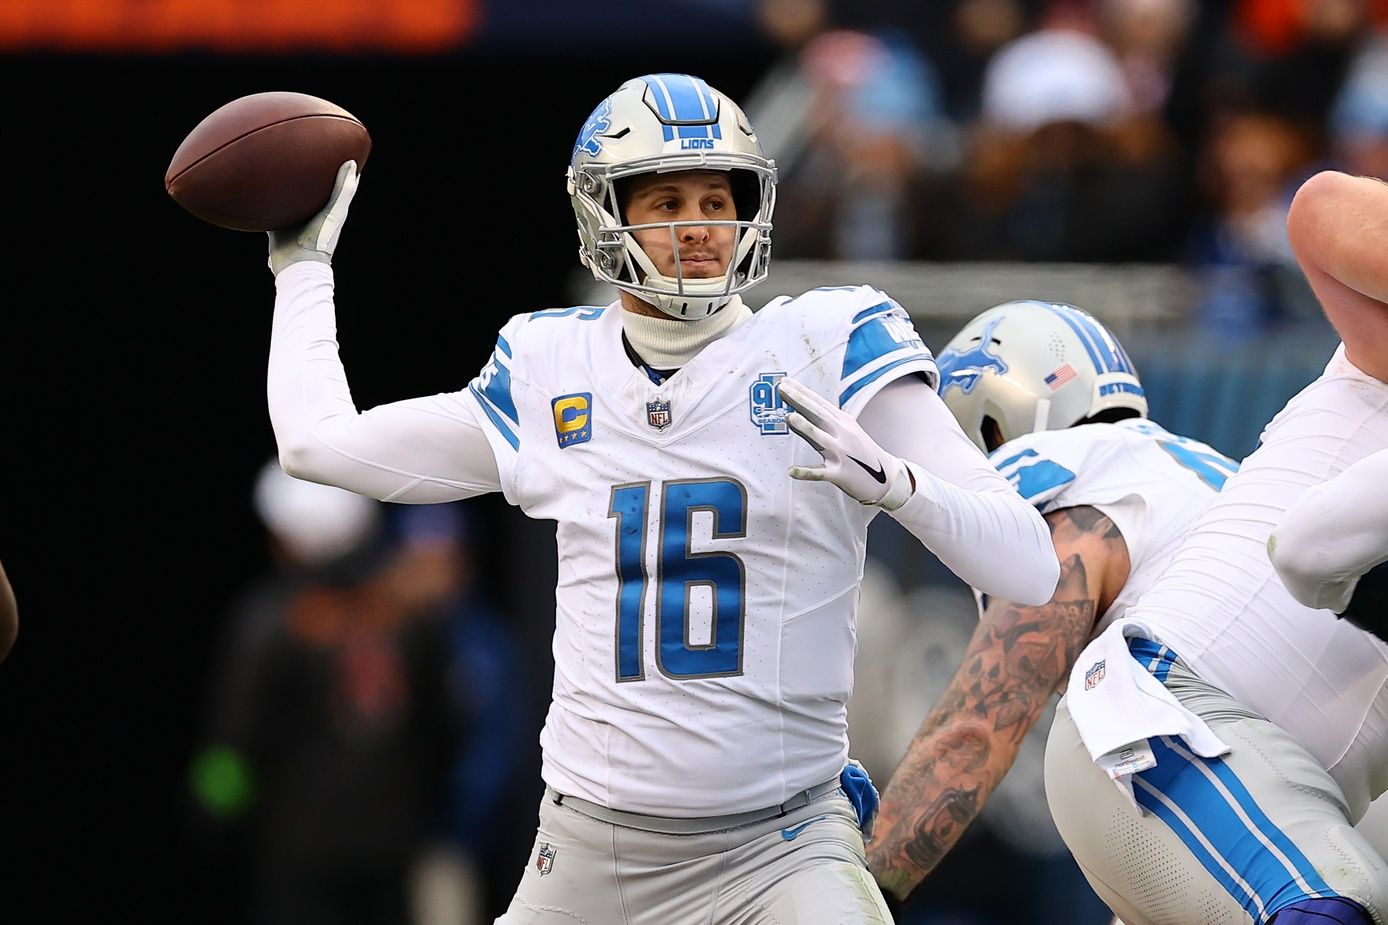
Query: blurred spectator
point(1063, 165)
point(1358, 119)
point(870, 126)
point(1292, 54)
point(959, 36)
point(331, 730)
point(1148, 37)
point(477, 854)
point(1251, 164)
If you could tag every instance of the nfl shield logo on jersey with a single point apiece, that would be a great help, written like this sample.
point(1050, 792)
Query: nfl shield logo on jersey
point(1094, 675)
point(544, 861)
point(658, 414)
point(768, 411)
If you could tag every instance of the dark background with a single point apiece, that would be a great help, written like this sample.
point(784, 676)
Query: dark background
point(134, 349)
point(134, 342)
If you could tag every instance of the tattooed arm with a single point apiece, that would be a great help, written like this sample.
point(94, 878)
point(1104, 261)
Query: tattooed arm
point(1016, 660)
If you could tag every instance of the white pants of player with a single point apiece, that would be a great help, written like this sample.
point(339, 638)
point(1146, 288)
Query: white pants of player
point(1219, 841)
point(807, 867)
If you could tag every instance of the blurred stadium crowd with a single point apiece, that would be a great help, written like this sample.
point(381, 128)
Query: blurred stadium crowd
point(1101, 132)
point(1098, 131)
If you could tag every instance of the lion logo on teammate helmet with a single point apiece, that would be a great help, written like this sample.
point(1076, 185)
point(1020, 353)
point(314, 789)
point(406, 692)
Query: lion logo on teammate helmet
point(657, 124)
point(1025, 366)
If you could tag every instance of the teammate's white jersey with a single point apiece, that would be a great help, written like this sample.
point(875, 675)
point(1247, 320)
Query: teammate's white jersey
point(1151, 483)
point(1221, 607)
point(705, 601)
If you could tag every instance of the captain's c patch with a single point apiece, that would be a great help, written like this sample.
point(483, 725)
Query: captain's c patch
point(573, 420)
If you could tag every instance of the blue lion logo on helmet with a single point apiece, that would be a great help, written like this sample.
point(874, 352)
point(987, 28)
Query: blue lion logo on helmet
point(597, 123)
point(963, 368)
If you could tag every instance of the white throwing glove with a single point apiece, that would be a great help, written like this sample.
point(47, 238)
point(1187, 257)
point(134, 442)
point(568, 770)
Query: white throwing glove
point(316, 238)
point(852, 460)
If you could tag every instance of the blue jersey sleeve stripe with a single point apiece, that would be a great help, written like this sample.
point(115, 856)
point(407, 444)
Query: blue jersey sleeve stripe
point(498, 390)
point(871, 341)
point(881, 308)
point(872, 377)
point(1012, 459)
point(505, 347)
point(1041, 477)
point(495, 418)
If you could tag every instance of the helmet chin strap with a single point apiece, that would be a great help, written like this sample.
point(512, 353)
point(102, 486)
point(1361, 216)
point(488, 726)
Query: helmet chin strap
point(669, 343)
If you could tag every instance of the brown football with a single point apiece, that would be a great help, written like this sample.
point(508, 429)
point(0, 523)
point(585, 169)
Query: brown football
point(265, 161)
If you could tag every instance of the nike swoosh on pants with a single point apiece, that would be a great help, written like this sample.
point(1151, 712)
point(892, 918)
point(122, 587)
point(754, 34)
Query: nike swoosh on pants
point(789, 834)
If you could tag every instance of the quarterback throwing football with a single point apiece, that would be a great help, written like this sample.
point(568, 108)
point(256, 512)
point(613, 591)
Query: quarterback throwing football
point(695, 754)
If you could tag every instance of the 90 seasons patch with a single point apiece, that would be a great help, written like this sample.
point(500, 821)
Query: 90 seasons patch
point(767, 408)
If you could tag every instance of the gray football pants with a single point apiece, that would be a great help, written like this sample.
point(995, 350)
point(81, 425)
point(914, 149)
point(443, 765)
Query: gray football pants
point(1220, 840)
point(807, 867)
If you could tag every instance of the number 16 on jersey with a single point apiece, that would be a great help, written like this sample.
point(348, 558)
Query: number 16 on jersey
point(679, 570)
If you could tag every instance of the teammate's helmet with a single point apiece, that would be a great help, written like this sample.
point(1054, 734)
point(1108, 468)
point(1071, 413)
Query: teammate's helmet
point(657, 124)
point(1032, 365)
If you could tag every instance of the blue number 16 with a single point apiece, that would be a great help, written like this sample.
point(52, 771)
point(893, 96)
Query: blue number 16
point(678, 570)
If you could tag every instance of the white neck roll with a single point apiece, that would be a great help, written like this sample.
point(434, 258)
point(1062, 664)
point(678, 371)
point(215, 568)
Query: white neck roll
point(669, 343)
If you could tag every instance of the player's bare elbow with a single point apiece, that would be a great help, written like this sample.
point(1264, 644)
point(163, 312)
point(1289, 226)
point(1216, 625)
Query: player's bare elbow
point(1311, 217)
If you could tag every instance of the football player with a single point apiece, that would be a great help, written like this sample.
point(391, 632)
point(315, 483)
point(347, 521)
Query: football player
point(1053, 396)
point(695, 757)
point(1217, 739)
point(1331, 546)
point(1220, 780)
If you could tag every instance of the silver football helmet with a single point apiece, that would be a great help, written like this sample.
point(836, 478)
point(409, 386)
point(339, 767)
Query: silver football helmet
point(1031, 365)
point(657, 124)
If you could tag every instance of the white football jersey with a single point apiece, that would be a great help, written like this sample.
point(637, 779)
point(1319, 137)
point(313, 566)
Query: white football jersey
point(706, 601)
point(1221, 607)
point(1151, 483)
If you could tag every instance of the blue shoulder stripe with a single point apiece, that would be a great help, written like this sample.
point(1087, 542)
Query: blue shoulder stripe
point(496, 419)
point(873, 376)
point(881, 308)
point(498, 389)
point(872, 340)
point(1036, 476)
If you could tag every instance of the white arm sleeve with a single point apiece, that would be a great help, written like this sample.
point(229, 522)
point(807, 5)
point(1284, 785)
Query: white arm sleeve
point(1334, 533)
point(417, 451)
point(963, 510)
